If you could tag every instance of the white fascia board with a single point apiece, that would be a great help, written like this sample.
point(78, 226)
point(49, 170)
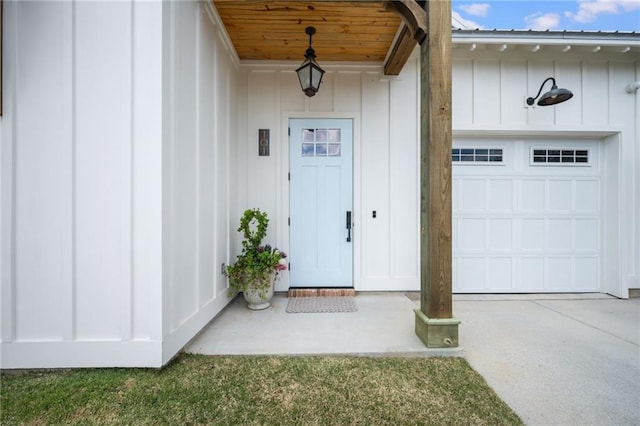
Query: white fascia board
point(546, 38)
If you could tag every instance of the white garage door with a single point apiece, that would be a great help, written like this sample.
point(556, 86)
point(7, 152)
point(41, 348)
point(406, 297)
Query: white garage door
point(526, 216)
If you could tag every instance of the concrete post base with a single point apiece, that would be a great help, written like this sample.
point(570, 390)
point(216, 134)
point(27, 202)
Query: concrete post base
point(437, 333)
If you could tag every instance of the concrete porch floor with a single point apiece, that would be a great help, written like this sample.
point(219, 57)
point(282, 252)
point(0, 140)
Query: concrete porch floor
point(555, 359)
point(383, 324)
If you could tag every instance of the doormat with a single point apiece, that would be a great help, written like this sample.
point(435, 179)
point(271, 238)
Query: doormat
point(313, 305)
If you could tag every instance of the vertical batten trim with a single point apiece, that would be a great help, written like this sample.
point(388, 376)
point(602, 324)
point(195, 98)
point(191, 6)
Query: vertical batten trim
point(225, 160)
point(150, 103)
point(8, 181)
point(363, 226)
point(14, 143)
point(231, 124)
point(233, 131)
point(334, 78)
point(528, 85)
point(216, 112)
point(275, 150)
point(609, 85)
point(74, 199)
point(128, 260)
point(555, 110)
point(168, 305)
point(278, 217)
point(500, 86)
point(582, 92)
point(473, 91)
point(390, 122)
point(198, 141)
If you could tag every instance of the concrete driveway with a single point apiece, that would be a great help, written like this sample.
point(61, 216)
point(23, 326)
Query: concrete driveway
point(555, 359)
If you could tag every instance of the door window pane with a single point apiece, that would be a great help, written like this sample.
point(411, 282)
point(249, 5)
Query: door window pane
point(321, 135)
point(321, 150)
point(308, 135)
point(334, 135)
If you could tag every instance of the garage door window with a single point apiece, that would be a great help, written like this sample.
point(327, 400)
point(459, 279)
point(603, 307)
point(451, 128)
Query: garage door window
point(477, 155)
point(560, 157)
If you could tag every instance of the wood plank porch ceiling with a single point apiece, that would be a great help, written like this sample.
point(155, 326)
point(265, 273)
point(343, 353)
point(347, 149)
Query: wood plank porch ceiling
point(354, 31)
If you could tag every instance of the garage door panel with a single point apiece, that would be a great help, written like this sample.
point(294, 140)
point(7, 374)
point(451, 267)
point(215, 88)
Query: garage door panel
point(559, 235)
point(532, 195)
point(455, 235)
point(587, 270)
point(455, 195)
point(587, 196)
point(471, 274)
point(558, 272)
point(560, 195)
point(524, 227)
point(530, 274)
point(472, 234)
point(499, 273)
point(500, 234)
point(587, 234)
point(532, 234)
point(473, 195)
point(500, 195)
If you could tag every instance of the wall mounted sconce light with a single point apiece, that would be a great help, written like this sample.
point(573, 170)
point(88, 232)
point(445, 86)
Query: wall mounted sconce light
point(309, 73)
point(553, 96)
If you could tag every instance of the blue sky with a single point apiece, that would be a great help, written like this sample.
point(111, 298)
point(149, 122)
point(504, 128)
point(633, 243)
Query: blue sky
point(576, 15)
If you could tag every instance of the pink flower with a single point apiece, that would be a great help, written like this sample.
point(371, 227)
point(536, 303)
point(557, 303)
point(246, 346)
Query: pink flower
point(282, 265)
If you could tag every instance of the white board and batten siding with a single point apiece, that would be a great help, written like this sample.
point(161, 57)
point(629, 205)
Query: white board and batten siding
point(598, 248)
point(385, 167)
point(115, 181)
point(200, 127)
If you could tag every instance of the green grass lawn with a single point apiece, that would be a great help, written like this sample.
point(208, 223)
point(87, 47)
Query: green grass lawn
point(196, 389)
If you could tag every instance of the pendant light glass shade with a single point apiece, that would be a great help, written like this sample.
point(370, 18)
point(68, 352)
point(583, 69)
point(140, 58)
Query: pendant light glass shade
point(309, 73)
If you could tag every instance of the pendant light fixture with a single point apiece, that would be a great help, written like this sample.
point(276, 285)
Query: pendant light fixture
point(309, 73)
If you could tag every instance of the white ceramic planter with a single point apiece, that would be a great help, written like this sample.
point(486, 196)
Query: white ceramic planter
point(259, 297)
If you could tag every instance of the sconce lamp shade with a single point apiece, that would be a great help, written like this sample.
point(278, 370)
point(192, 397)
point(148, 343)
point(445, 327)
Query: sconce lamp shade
point(553, 96)
point(309, 73)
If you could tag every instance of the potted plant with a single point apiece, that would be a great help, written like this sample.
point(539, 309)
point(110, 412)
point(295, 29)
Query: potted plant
point(257, 266)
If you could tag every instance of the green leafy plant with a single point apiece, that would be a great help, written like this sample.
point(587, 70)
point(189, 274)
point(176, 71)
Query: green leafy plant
point(256, 263)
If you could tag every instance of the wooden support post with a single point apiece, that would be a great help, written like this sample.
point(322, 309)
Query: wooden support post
point(435, 324)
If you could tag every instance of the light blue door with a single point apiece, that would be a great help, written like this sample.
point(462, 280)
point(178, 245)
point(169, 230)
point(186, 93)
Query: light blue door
point(321, 201)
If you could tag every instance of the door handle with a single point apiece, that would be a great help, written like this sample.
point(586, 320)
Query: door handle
point(348, 227)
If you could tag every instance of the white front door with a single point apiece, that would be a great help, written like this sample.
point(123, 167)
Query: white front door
point(321, 200)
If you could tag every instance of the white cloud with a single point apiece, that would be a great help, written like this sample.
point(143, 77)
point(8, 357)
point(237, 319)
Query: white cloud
point(475, 9)
point(540, 22)
point(459, 22)
point(588, 10)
